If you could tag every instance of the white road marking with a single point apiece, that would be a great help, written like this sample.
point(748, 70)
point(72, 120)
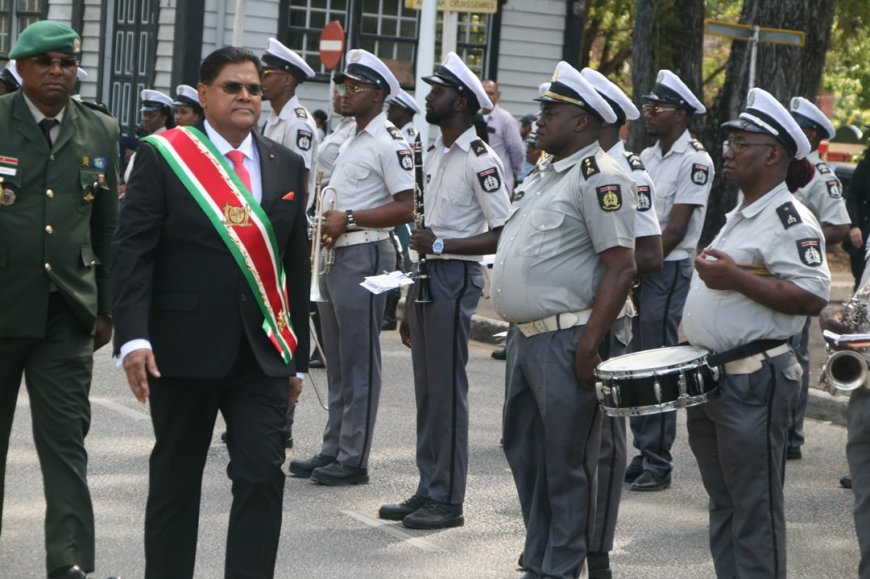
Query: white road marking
point(397, 532)
point(121, 409)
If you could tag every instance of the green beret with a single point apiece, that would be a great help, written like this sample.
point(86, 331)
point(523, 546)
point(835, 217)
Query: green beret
point(46, 36)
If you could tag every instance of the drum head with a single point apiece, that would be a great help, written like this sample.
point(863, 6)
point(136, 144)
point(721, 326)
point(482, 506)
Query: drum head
point(660, 358)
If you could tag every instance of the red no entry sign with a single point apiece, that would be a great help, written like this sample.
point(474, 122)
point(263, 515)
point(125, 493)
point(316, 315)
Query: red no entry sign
point(332, 44)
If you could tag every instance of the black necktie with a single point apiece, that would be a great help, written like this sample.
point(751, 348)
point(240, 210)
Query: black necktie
point(46, 125)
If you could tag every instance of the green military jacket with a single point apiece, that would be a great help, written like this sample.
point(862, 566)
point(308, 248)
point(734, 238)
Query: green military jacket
point(58, 213)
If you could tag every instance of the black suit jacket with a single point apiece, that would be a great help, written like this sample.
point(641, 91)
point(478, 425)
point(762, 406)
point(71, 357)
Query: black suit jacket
point(177, 285)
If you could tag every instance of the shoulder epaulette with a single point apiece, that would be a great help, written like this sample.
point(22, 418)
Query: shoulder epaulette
point(97, 107)
point(431, 148)
point(395, 133)
point(696, 144)
point(589, 166)
point(823, 168)
point(301, 112)
point(478, 147)
point(788, 214)
point(634, 162)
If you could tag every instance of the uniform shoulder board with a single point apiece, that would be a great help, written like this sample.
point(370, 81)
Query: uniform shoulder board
point(478, 147)
point(96, 106)
point(431, 148)
point(395, 133)
point(788, 214)
point(301, 112)
point(696, 144)
point(823, 168)
point(589, 166)
point(634, 162)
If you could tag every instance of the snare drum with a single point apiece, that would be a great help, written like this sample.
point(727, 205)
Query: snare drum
point(655, 381)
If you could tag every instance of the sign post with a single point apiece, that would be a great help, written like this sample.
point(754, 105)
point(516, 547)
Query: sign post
point(331, 52)
point(754, 35)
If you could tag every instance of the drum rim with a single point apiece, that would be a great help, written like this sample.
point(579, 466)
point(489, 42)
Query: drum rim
point(603, 373)
point(683, 402)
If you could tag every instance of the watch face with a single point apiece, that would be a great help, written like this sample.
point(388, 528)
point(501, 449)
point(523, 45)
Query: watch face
point(438, 246)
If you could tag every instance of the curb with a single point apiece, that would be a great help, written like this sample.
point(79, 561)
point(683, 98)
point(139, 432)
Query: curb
point(820, 404)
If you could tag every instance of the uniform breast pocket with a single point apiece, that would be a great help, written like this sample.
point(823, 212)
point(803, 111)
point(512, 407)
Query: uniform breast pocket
point(541, 230)
point(92, 185)
point(359, 173)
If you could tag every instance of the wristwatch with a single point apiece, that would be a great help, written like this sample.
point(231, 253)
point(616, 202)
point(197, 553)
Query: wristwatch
point(350, 220)
point(438, 246)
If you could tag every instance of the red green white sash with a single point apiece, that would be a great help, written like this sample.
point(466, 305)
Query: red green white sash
point(239, 220)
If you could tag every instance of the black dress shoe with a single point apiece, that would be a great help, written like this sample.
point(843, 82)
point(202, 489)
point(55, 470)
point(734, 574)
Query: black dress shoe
point(288, 440)
point(224, 437)
point(520, 564)
point(793, 453)
point(634, 470)
point(435, 515)
point(304, 468)
point(649, 482)
point(846, 481)
point(340, 475)
point(316, 363)
point(73, 572)
point(399, 511)
point(499, 354)
point(388, 326)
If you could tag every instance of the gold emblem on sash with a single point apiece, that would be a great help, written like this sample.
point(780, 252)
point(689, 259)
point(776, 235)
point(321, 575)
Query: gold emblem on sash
point(237, 216)
point(282, 321)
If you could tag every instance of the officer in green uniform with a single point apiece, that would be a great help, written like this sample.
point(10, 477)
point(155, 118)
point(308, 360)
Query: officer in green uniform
point(58, 212)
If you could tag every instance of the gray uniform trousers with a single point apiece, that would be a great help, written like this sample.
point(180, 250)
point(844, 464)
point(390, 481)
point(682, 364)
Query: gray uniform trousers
point(552, 433)
point(662, 297)
point(738, 439)
point(611, 463)
point(858, 453)
point(351, 322)
point(439, 336)
point(800, 343)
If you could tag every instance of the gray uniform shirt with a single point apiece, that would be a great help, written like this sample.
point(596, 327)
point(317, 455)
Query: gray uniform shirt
point(295, 128)
point(823, 195)
point(564, 214)
point(465, 191)
point(372, 166)
point(646, 222)
point(782, 235)
point(682, 176)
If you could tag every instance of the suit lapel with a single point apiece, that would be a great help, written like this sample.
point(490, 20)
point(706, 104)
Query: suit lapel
point(268, 172)
point(66, 128)
point(26, 124)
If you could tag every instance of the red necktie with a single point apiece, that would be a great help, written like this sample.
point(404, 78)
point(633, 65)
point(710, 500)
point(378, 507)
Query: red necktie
point(238, 160)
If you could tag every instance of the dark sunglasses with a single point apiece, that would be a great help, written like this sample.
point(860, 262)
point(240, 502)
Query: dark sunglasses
point(232, 87)
point(48, 62)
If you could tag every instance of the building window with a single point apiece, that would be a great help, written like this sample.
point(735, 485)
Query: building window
point(386, 28)
point(15, 16)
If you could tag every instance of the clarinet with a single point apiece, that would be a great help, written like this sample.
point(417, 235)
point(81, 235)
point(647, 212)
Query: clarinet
point(424, 291)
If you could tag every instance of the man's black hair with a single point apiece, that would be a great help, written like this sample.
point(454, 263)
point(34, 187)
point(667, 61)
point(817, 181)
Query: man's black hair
point(215, 62)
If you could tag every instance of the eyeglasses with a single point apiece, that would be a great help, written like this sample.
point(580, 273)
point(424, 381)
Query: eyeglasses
point(48, 62)
point(232, 87)
point(352, 89)
point(738, 146)
point(652, 109)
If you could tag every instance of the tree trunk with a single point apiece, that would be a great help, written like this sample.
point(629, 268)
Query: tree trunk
point(783, 71)
point(666, 35)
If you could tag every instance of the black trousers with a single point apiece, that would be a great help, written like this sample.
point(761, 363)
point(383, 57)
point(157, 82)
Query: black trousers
point(183, 413)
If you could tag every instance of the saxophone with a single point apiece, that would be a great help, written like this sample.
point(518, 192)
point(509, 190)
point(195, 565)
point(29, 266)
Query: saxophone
point(847, 370)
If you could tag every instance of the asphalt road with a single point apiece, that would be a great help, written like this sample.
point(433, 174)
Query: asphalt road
point(335, 533)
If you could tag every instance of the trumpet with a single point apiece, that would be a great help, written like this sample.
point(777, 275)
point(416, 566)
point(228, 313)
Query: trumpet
point(847, 370)
point(326, 199)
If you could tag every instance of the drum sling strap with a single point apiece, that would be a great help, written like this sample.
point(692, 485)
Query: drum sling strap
point(744, 351)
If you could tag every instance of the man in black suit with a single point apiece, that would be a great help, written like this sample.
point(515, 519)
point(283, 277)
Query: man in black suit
point(196, 235)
